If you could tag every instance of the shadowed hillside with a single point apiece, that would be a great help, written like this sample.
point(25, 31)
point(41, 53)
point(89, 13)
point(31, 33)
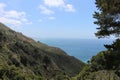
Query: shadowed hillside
point(22, 58)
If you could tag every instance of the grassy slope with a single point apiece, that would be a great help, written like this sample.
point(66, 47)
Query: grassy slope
point(20, 55)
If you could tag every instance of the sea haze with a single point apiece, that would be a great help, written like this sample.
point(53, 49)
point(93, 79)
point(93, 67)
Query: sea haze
point(83, 49)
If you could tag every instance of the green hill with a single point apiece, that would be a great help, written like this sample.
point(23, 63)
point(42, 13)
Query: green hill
point(22, 58)
point(104, 66)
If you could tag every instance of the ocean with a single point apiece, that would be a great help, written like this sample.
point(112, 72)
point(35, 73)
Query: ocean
point(82, 49)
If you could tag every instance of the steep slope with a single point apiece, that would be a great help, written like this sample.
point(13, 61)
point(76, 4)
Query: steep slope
point(22, 58)
point(104, 66)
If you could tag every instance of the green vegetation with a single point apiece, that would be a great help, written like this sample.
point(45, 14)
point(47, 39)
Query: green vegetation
point(22, 58)
point(108, 18)
point(106, 64)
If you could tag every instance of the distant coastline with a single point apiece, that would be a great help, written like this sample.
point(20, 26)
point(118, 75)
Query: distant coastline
point(83, 49)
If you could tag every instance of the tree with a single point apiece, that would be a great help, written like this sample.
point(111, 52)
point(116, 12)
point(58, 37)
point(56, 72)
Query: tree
point(108, 18)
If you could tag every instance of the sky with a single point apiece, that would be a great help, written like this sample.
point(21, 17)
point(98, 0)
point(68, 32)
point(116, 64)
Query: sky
point(50, 18)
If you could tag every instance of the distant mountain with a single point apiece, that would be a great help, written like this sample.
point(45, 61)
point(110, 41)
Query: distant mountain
point(22, 58)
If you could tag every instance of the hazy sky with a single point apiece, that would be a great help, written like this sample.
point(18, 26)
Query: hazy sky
point(50, 18)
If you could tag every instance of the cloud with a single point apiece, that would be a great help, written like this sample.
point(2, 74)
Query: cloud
point(40, 20)
point(2, 5)
point(48, 8)
point(54, 3)
point(14, 14)
point(45, 10)
point(69, 8)
point(10, 21)
point(51, 18)
point(12, 17)
point(59, 4)
point(46, 18)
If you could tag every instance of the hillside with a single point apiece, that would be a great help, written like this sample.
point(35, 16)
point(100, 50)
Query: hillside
point(22, 58)
point(104, 66)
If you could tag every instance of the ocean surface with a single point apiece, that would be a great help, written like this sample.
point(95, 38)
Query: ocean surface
point(82, 49)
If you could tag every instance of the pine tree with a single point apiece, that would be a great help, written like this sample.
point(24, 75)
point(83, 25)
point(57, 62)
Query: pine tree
point(108, 18)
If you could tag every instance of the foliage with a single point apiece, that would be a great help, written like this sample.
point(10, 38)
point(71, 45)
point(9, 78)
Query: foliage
point(22, 58)
point(108, 17)
point(106, 64)
point(10, 73)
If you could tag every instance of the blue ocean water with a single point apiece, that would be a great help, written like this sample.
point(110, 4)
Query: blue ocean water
point(83, 49)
